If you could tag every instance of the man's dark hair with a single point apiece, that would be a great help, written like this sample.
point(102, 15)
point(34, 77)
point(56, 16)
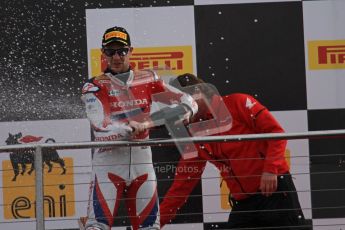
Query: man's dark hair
point(188, 79)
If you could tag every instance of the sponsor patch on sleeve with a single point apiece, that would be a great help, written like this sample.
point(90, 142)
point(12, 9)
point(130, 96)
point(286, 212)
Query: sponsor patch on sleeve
point(90, 88)
point(254, 106)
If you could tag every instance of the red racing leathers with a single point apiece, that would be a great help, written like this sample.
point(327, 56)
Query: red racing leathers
point(240, 163)
point(112, 100)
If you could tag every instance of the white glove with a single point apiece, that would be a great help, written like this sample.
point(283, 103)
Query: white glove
point(119, 128)
point(114, 132)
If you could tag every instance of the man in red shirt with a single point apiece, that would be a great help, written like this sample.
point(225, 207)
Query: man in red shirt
point(256, 172)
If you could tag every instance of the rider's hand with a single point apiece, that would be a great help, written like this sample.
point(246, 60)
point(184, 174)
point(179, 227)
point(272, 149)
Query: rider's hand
point(138, 127)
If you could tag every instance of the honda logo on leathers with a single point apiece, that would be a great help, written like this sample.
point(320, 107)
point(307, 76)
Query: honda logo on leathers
point(130, 103)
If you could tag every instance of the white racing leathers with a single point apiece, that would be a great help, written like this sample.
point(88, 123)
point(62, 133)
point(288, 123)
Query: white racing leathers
point(125, 173)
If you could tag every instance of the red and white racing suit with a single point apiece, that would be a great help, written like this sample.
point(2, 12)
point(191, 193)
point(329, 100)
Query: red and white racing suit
point(111, 101)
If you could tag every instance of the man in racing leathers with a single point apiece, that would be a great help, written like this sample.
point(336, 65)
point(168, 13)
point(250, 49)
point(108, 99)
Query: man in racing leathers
point(117, 103)
point(256, 172)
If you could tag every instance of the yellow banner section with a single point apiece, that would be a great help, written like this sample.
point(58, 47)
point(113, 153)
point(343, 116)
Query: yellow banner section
point(19, 195)
point(326, 54)
point(225, 191)
point(171, 60)
point(224, 195)
point(96, 62)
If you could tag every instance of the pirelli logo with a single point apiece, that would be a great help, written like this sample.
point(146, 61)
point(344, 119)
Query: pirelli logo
point(116, 34)
point(327, 54)
point(171, 60)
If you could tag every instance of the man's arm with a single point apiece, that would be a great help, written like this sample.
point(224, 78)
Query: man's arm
point(169, 95)
point(169, 104)
point(188, 175)
point(275, 155)
point(95, 98)
point(260, 120)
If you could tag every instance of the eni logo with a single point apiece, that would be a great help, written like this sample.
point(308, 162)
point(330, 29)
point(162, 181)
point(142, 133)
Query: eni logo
point(19, 184)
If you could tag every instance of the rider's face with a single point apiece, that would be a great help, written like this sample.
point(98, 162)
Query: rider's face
point(117, 57)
